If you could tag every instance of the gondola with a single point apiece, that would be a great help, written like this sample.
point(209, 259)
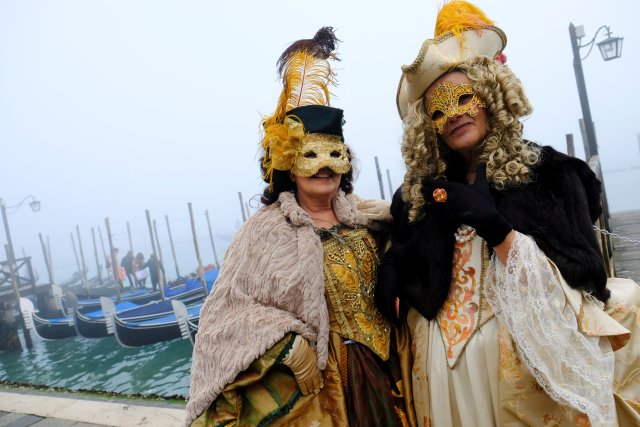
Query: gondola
point(92, 324)
point(52, 323)
point(139, 333)
point(53, 328)
point(137, 296)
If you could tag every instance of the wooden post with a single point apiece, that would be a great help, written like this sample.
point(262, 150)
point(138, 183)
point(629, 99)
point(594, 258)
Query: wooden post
point(173, 249)
point(197, 247)
point(104, 253)
point(49, 253)
point(130, 238)
point(47, 260)
point(155, 232)
point(12, 273)
point(390, 186)
point(114, 261)
point(95, 251)
point(84, 266)
point(571, 149)
point(244, 217)
point(585, 142)
point(379, 178)
point(80, 269)
point(75, 252)
point(155, 253)
point(31, 275)
point(213, 245)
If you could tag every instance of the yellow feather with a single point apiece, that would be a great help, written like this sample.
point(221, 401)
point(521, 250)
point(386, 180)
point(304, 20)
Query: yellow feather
point(282, 141)
point(458, 16)
point(307, 79)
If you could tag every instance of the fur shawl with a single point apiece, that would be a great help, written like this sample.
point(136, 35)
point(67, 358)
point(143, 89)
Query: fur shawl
point(557, 209)
point(271, 283)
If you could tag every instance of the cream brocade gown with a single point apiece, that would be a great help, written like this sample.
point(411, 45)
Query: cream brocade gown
point(467, 367)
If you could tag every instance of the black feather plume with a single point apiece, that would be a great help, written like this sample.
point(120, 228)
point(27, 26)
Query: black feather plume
point(321, 46)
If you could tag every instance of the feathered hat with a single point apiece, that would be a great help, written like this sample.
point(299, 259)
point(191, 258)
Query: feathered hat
point(462, 32)
point(304, 104)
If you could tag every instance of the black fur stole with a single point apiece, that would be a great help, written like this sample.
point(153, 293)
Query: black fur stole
point(557, 209)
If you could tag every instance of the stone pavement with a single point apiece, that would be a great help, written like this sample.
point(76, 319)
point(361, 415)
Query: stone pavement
point(26, 408)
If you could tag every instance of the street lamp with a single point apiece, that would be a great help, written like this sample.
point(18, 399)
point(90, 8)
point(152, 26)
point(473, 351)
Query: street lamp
point(11, 259)
point(610, 48)
point(34, 204)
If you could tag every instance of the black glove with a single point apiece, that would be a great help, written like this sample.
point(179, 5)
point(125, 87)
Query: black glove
point(471, 205)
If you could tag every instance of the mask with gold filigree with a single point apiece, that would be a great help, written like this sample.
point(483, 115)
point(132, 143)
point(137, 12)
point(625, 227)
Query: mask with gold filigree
point(450, 100)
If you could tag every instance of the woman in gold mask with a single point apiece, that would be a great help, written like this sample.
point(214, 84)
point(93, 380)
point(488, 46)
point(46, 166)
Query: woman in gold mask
point(494, 259)
point(290, 334)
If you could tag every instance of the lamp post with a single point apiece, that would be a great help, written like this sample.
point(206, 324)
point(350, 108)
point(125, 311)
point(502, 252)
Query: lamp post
point(11, 259)
point(610, 48)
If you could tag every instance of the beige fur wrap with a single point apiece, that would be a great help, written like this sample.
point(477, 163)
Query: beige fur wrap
point(271, 283)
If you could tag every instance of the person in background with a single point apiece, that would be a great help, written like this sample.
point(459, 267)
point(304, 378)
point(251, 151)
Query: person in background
point(140, 270)
point(290, 334)
point(494, 258)
point(155, 269)
point(127, 264)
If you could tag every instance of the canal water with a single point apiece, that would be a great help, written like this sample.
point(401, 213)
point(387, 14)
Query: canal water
point(102, 364)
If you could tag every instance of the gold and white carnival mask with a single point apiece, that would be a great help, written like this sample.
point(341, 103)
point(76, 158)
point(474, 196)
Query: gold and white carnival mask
point(450, 100)
point(321, 151)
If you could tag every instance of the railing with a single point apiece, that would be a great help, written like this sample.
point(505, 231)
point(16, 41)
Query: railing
point(24, 276)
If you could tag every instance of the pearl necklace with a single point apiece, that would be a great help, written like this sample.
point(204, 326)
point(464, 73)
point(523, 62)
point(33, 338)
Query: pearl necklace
point(465, 233)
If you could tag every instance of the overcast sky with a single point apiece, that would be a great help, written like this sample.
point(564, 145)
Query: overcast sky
point(108, 108)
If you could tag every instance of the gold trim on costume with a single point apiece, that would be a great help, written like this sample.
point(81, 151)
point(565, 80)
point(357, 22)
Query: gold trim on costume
point(461, 316)
point(350, 273)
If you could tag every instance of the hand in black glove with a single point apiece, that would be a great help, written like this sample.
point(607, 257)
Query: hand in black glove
point(470, 204)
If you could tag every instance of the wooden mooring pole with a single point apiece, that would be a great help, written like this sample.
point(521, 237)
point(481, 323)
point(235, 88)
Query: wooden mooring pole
point(213, 245)
point(390, 186)
point(155, 254)
point(155, 232)
point(571, 149)
point(244, 216)
point(173, 249)
point(197, 247)
point(379, 178)
point(49, 253)
point(47, 260)
point(130, 238)
point(11, 259)
point(95, 252)
point(114, 261)
point(84, 266)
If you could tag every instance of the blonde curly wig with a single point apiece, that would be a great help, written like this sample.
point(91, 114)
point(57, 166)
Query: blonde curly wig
point(508, 157)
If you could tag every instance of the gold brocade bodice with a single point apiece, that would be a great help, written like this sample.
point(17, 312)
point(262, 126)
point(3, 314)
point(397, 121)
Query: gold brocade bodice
point(350, 275)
